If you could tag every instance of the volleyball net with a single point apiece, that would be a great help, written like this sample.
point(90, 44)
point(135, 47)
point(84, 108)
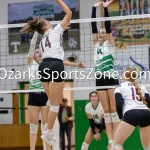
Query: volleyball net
point(78, 46)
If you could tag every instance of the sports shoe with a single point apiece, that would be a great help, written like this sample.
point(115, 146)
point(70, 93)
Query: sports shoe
point(48, 138)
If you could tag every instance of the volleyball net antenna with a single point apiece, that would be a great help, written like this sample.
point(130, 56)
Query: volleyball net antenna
point(77, 42)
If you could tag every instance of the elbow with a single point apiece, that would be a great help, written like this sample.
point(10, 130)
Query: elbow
point(69, 14)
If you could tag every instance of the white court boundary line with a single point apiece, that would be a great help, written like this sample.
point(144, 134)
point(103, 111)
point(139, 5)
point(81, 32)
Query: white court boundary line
point(85, 20)
point(66, 89)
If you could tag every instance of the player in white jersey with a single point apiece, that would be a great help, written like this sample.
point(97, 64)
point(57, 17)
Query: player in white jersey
point(105, 49)
point(133, 102)
point(52, 67)
point(37, 100)
point(95, 115)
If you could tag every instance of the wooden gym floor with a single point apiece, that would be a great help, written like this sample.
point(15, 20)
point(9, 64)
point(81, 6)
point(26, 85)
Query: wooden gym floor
point(21, 148)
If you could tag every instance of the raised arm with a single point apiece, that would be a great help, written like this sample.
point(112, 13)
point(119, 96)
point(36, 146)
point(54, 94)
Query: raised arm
point(32, 48)
point(108, 23)
point(66, 21)
point(94, 24)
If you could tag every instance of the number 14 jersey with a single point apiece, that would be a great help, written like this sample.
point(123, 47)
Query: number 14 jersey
point(95, 113)
point(51, 43)
point(131, 98)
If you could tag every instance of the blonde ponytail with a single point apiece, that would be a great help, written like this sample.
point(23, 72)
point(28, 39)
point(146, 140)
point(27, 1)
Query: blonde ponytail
point(131, 75)
point(139, 92)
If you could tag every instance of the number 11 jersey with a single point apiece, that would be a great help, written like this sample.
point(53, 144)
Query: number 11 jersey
point(51, 43)
point(129, 94)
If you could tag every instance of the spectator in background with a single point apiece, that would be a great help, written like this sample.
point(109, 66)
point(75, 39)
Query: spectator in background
point(66, 118)
point(124, 4)
point(139, 7)
point(148, 6)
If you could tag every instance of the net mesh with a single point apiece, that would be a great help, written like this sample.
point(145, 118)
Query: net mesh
point(78, 46)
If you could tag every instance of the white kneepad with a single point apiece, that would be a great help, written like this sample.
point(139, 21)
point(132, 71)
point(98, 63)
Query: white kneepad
point(54, 109)
point(34, 128)
point(147, 147)
point(117, 146)
point(107, 118)
point(48, 103)
point(115, 117)
point(85, 146)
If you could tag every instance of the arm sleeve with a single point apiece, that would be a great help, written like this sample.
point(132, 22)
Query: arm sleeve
point(58, 29)
point(102, 126)
point(119, 104)
point(119, 101)
point(92, 125)
point(147, 96)
point(94, 24)
point(107, 23)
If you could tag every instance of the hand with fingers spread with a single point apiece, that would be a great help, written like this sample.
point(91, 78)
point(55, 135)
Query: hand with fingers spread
point(107, 3)
point(98, 4)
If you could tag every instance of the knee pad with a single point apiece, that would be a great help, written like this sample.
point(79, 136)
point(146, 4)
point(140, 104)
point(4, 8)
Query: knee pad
point(34, 128)
point(45, 125)
point(146, 147)
point(48, 103)
point(107, 117)
point(54, 109)
point(84, 146)
point(115, 117)
point(117, 146)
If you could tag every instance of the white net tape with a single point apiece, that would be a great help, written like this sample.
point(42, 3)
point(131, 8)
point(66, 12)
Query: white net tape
point(85, 20)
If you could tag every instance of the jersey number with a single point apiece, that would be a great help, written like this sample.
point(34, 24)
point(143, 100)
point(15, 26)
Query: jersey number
point(135, 96)
point(47, 44)
point(95, 116)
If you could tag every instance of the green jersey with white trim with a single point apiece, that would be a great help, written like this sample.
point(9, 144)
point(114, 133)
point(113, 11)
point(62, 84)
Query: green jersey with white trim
point(104, 58)
point(35, 82)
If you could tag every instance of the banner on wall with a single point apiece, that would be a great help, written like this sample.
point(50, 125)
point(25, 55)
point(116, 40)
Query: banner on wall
point(50, 10)
point(136, 58)
point(135, 31)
